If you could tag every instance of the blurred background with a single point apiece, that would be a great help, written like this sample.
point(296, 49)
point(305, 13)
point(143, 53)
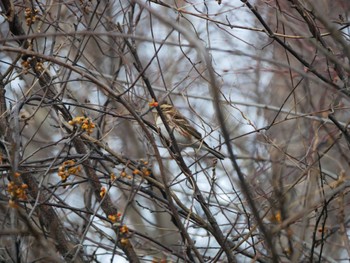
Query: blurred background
point(85, 176)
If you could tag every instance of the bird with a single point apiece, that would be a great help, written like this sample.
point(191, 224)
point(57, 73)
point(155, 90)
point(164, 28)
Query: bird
point(184, 133)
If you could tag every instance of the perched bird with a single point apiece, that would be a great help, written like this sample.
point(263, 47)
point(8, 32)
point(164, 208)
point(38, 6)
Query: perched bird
point(184, 133)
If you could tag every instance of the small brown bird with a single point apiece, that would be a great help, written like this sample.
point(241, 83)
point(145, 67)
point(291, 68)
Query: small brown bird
point(184, 133)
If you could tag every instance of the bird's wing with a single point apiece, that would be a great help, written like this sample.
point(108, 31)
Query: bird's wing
point(184, 126)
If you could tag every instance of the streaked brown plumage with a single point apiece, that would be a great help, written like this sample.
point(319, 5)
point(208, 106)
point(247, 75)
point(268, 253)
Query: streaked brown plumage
point(184, 133)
